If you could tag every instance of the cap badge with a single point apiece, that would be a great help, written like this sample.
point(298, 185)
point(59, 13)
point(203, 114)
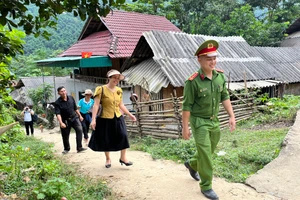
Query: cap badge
point(210, 45)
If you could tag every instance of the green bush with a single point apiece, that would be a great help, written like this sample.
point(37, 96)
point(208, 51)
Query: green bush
point(29, 169)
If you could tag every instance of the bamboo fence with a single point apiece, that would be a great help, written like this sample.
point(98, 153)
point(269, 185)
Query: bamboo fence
point(155, 121)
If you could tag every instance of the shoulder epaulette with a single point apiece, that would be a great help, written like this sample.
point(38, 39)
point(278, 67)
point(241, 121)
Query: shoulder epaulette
point(193, 76)
point(220, 70)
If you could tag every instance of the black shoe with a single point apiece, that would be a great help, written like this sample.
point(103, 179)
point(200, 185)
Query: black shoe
point(108, 165)
point(65, 152)
point(81, 149)
point(127, 164)
point(210, 194)
point(193, 173)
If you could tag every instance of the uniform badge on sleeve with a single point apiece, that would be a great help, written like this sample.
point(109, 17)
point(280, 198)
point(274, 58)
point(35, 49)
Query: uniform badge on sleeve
point(193, 76)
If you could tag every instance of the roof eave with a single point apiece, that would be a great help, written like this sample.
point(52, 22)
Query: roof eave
point(84, 28)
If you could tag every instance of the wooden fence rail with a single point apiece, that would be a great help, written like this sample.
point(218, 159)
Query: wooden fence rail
point(166, 122)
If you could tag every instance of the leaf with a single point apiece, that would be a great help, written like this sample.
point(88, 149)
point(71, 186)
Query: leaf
point(10, 22)
point(41, 196)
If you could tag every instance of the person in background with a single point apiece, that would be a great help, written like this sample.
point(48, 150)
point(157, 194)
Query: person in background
point(68, 117)
point(203, 93)
point(27, 113)
point(110, 132)
point(85, 106)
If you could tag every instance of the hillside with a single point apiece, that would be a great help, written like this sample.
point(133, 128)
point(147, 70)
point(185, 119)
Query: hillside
point(67, 32)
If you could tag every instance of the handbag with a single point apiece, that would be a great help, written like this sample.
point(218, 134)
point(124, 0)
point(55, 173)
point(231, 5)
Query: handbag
point(100, 109)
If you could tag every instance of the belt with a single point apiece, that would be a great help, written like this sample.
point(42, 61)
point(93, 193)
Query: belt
point(72, 117)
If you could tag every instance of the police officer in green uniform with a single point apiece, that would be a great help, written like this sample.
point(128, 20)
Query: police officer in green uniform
point(203, 92)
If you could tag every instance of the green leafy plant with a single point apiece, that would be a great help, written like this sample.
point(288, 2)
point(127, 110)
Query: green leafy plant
point(52, 189)
point(29, 169)
point(40, 95)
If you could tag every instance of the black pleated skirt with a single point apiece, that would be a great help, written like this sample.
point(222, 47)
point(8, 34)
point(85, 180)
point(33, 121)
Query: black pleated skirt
point(109, 135)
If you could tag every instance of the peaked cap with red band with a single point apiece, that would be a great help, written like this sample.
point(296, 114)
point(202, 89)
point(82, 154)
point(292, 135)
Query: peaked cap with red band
point(208, 48)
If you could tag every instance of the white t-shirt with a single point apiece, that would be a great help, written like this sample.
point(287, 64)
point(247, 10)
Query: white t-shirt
point(27, 116)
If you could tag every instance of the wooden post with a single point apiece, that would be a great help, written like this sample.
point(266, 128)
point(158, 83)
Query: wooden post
point(136, 107)
point(245, 81)
point(176, 112)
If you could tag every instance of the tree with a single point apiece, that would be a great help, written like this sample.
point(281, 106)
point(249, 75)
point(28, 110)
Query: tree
point(242, 22)
point(188, 15)
point(154, 7)
point(40, 95)
point(280, 11)
point(14, 14)
point(6, 78)
point(25, 66)
point(235, 18)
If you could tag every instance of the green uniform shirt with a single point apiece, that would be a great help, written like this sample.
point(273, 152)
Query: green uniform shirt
point(202, 95)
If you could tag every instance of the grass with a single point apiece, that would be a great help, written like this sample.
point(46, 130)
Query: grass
point(29, 170)
point(247, 151)
point(254, 143)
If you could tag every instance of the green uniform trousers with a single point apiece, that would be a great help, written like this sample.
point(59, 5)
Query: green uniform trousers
point(206, 133)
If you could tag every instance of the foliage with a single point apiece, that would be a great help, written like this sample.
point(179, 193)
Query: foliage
point(279, 10)
point(155, 7)
point(171, 149)
point(189, 14)
point(25, 66)
point(6, 101)
point(66, 33)
point(40, 95)
point(29, 169)
point(15, 14)
point(242, 22)
point(48, 11)
point(11, 44)
point(40, 48)
point(227, 17)
point(276, 109)
point(255, 143)
point(247, 151)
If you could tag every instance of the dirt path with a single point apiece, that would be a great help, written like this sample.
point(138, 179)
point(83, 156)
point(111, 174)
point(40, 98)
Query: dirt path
point(167, 180)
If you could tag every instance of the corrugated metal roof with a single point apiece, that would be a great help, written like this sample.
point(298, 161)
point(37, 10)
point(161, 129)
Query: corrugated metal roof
point(122, 32)
point(148, 75)
point(279, 54)
point(294, 35)
point(21, 94)
point(291, 42)
point(285, 61)
point(253, 84)
point(174, 53)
